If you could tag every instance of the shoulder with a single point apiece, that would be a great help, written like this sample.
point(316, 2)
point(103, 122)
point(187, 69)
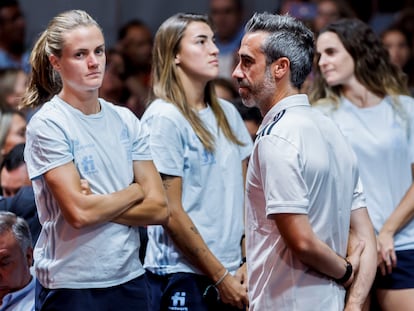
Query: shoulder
point(270, 127)
point(161, 108)
point(406, 101)
point(124, 112)
point(326, 107)
point(228, 107)
point(48, 112)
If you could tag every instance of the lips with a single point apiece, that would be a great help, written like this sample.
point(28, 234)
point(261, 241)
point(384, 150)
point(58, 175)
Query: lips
point(243, 85)
point(94, 73)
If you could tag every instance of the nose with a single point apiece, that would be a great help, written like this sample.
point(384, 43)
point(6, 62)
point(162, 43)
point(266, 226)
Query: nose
point(92, 60)
point(237, 72)
point(322, 60)
point(214, 49)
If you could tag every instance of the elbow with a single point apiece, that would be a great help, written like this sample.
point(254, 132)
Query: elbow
point(77, 222)
point(77, 218)
point(162, 213)
point(78, 225)
point(302, 248)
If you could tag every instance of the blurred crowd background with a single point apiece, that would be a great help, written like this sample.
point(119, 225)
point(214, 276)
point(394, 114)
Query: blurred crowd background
point(111, 14)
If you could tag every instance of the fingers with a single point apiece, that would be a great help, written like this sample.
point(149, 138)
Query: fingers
point(355, 254)
point(388, 261)
point(234, 293)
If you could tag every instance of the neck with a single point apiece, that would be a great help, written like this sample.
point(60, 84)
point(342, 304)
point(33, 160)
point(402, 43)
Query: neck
point(278, 96)
point(194, 92)
point(86, 103)
point(360, 96)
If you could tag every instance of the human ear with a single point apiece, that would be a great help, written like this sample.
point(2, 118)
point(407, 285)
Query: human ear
point(280, 67)
point(177, 59)
point(54, 61)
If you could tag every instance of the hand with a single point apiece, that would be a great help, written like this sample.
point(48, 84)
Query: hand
point(354, 257)
point(387, 259)
point(241, 274)
point(139, 192)
point(233, 292)
point(85, 189)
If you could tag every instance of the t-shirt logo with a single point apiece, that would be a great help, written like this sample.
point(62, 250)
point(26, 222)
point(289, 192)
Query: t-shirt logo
point(88, 164)
point(207, 158)
point(178, 302)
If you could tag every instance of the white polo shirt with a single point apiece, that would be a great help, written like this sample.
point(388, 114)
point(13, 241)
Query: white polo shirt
point(300, 164)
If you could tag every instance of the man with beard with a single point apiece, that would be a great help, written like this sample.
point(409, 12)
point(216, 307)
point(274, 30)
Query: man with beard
point(12, 36)
point(309, 237)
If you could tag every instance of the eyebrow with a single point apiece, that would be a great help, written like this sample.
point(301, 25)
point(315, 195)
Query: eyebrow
point(86, 49)
point(246, 56)
point(201, 36)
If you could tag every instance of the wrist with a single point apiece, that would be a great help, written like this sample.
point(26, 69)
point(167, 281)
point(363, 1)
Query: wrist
point(347, 275)
point(220, 280)
point(386, 231)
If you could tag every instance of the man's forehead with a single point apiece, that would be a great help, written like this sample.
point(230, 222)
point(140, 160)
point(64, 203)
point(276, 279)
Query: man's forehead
point(252, 42)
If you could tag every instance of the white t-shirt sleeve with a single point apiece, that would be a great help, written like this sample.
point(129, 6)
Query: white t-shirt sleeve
point(47, 147)
point(166, 145)
point(283, 185)
point(139, 136)
point(358, 200)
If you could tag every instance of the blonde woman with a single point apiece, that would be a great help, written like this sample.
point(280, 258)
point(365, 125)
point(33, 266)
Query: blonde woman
point(86, 257)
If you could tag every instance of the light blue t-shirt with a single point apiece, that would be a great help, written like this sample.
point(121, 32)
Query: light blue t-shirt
point(383, 141)
point(103, 147)
point(212, 184)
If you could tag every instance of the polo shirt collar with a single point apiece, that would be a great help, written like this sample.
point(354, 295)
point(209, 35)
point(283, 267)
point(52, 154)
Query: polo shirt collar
point(285, 103)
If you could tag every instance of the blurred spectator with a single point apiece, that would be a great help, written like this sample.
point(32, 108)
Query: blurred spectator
point(12, 87)
point(18, 196)
point(12, 36)
point(385, 13)
point(228, 21)
point(113, 88)
point(405, 21)
point(135, 45)
point(398, 43)
point(17, 285)
point(12, 130)
point(301, 9)
point(225, 89)
point(251, 116)
point(13, 172)
point(328, 11)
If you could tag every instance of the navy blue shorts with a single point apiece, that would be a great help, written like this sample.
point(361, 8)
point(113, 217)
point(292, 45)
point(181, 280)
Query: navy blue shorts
point(184, 292)
point(131, 296)
point(402, 276)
